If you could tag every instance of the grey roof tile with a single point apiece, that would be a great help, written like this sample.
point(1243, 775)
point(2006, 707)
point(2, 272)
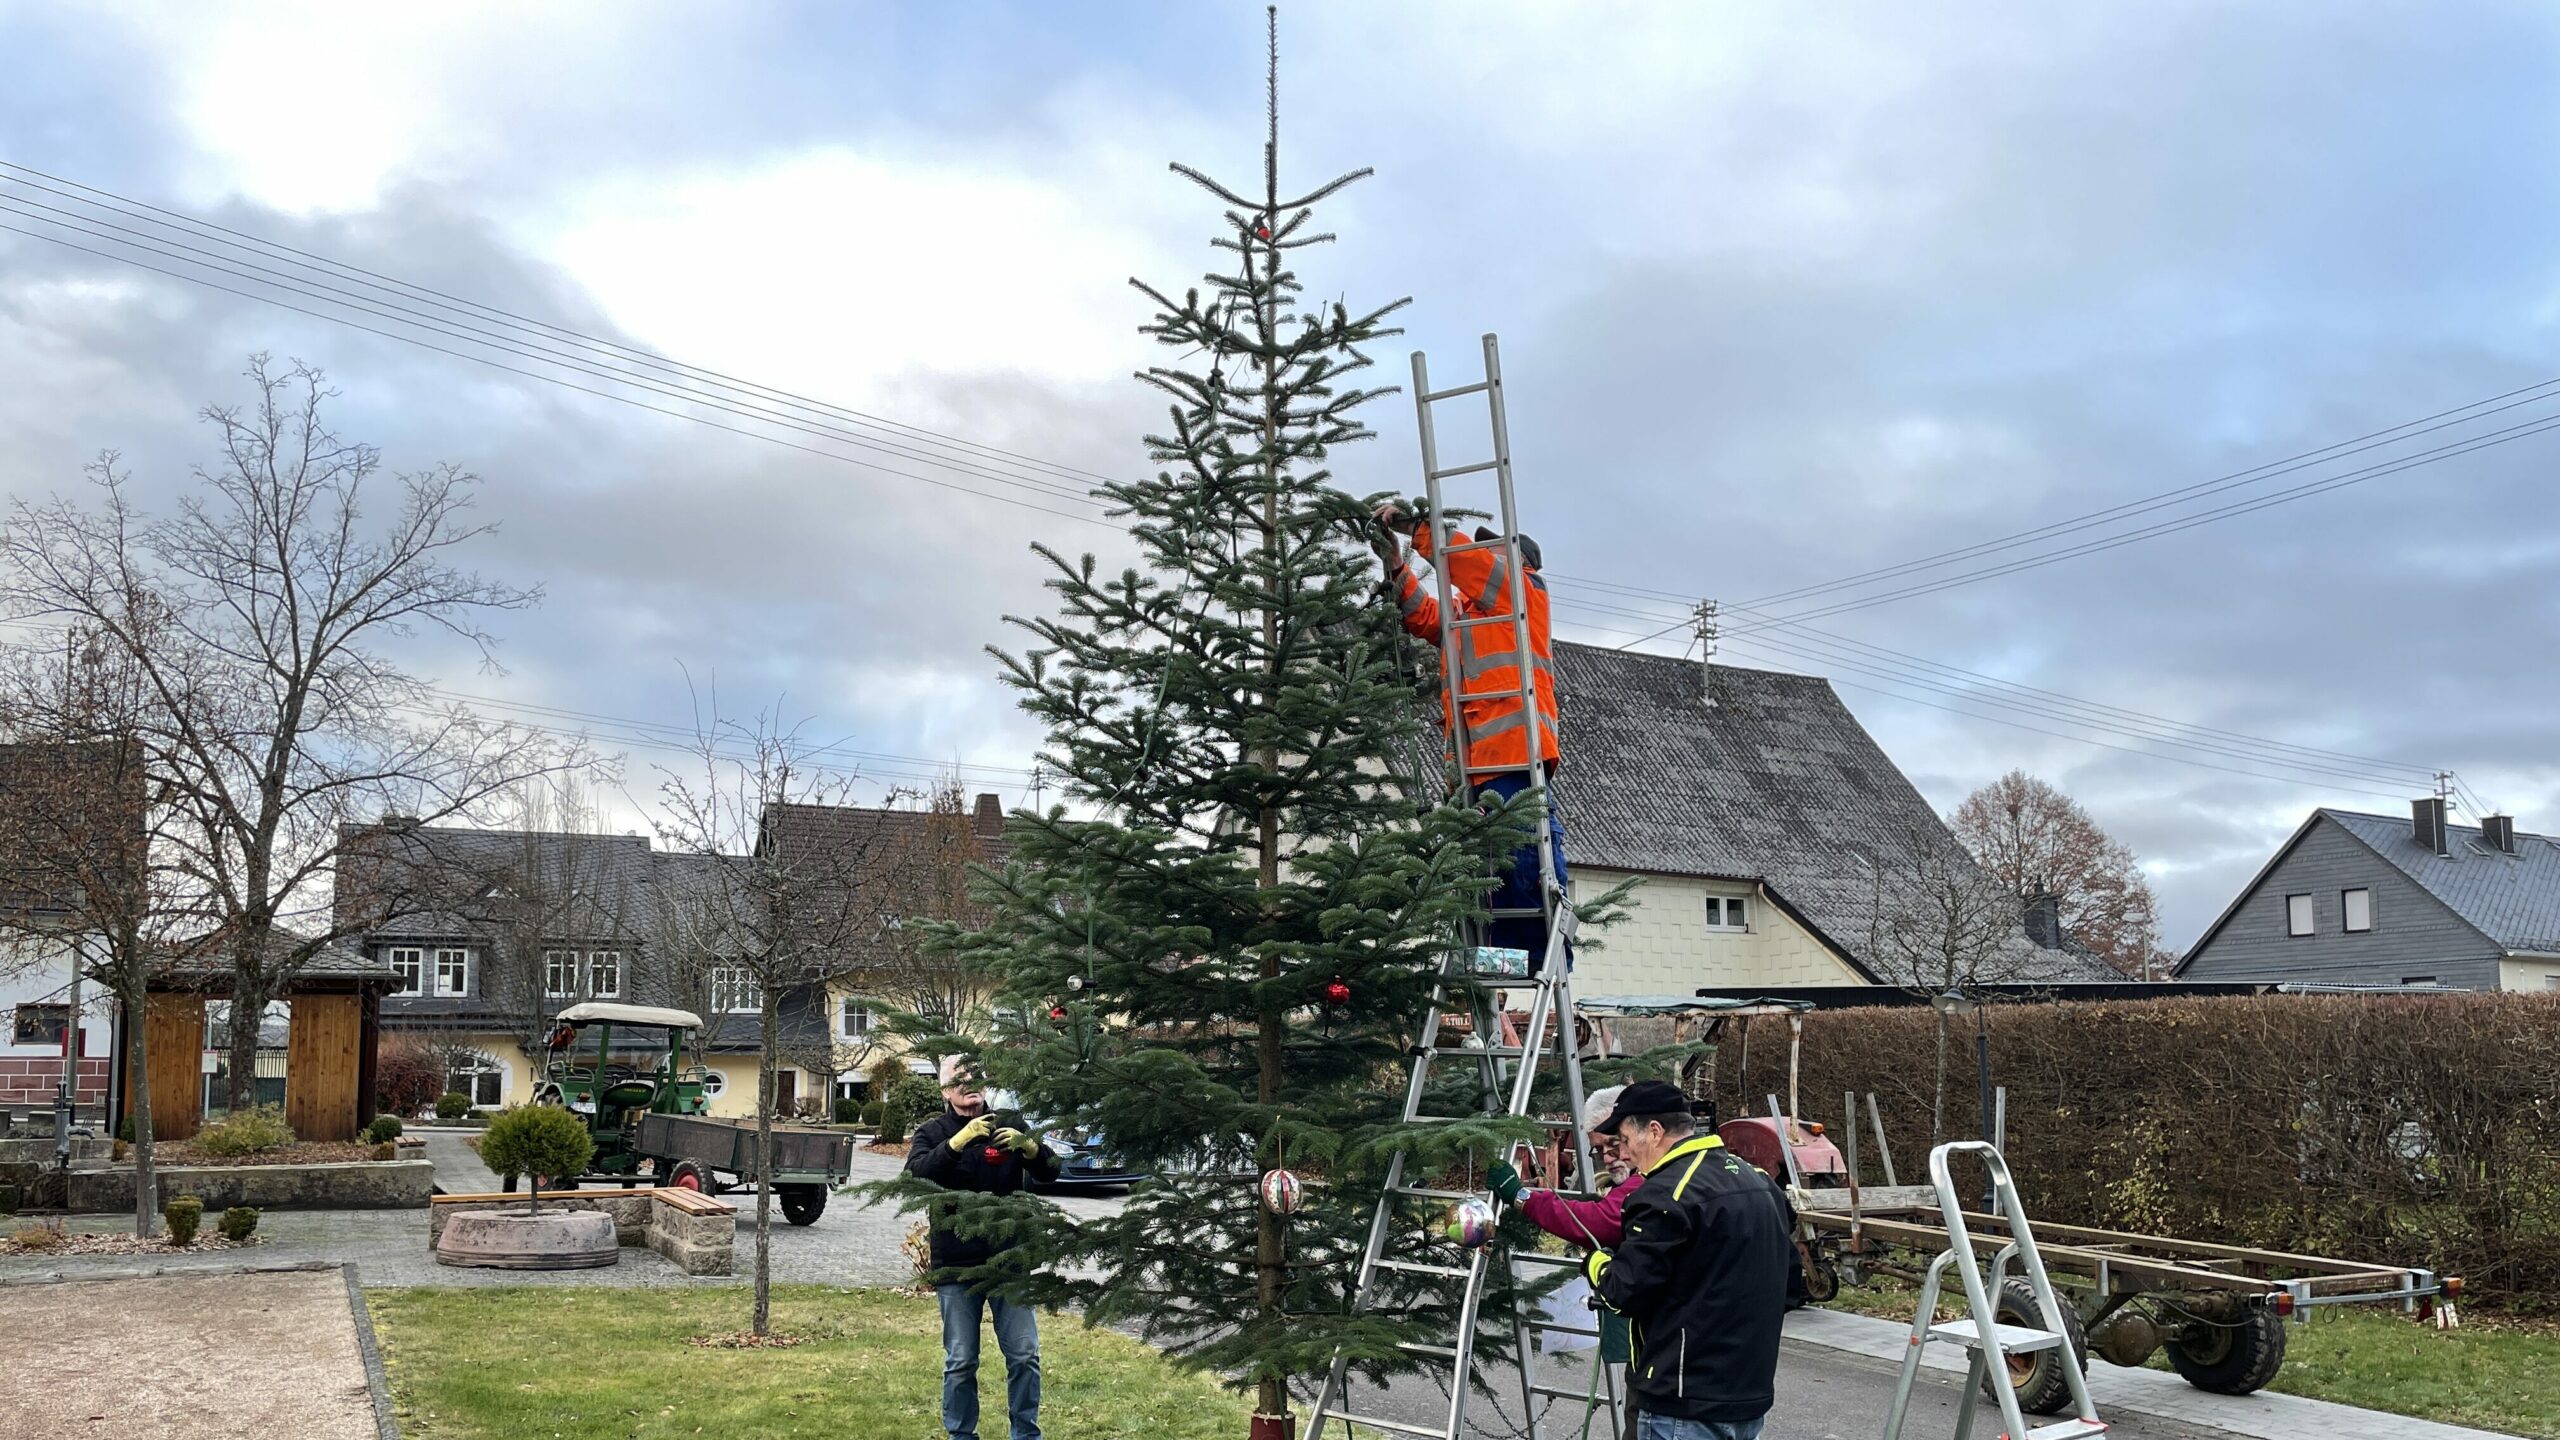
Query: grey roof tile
point(2512, 899)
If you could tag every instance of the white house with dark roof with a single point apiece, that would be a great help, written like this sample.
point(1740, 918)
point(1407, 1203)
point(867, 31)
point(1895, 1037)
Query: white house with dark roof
point(1766, 828)
point(2358, 899)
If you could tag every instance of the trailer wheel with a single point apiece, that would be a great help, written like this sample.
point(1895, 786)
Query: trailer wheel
point(2037, 1375)
point(802, 1204)
point(686, 1176)
point(2230, 1359)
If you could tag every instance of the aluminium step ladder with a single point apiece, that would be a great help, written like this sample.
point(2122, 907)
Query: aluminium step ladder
point(1989, 1342)
point(1507, 1067)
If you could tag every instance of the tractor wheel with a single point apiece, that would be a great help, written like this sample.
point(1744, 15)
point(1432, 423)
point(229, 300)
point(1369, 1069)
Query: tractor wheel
point(2230, 1359)
point(2037, 1375)
point(802, 1204)
point(1821, 1278)
point(686, 1176)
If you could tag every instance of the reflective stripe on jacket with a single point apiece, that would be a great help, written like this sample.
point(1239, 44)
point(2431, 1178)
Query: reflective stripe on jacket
point(1488, 667)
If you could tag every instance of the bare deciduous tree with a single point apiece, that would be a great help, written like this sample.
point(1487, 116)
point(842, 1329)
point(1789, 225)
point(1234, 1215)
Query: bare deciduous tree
point(90, 863)
point(554, 889)
point(1943, 923)
point(784, 920)
point(256, 618)
point(2039, 842)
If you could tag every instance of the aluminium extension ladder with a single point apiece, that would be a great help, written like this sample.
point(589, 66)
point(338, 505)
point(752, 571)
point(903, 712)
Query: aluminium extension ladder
point(1989, 1342)
point(1507, 1072)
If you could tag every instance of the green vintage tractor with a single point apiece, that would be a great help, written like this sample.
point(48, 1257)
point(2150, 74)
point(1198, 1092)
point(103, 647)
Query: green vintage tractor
point(645, 1113)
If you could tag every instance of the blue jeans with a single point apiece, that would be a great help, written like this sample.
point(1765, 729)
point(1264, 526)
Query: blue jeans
point(1017, 1337)
point(1519, 888)
point(1667, 1427)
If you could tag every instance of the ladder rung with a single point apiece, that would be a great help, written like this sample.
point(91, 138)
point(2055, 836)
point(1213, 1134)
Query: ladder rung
point(1455, 391)
point(1491, 1052)
point(1557, 1392)
point(1374, 1423)
point(1517, 912)
point(1470, 622)
point(1463, 547)
point(1555, 1329)
point(1455, 471)
point(1440, 1352)
point(2075, 1429)
point(2013, 1339)
point(1419, 1267)
point(1425, 1192)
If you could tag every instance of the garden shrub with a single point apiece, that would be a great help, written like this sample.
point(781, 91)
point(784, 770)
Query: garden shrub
point(848, 1111)
point(39, 1237)
point(116, 1151)
point(183, 1215)
point(406, 1075)
point(385, 1150)
point(541, 1141)
point(871, 1110)
point(124, 1129)
point(384, 1127)
point(2394, 1129)
point(245, 1132)
point(452, 1105)
point(239, 1223)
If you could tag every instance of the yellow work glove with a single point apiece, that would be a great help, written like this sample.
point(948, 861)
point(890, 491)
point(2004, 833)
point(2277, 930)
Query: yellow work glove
point(1593, 1264)
point(971, 1133)
point(1017, 1142)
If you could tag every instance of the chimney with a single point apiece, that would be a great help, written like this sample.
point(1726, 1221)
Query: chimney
point(2426, 819)
point(2498, 832)
point(988, 819)
point(399, 824)
point(2044, 921)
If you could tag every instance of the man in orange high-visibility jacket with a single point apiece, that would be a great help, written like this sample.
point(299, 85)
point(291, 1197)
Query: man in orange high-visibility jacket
point(1496, 727)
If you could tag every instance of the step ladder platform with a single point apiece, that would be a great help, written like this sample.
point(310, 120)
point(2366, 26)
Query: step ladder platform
point(2015, 1339)
point(2069, 1430)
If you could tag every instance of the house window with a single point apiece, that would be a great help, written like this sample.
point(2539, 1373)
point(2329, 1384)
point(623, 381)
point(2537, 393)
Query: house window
point(1728, 912)
point(410, 964)
point(41, 1025)
point(453, 972)
point(2297, 915)
point(2417, 979)
point(858, 1020)
point(734, 990)
point(2359, 907)
point(478, 1076)
point(604, 974)
point(713, 1082)
point(559, 973)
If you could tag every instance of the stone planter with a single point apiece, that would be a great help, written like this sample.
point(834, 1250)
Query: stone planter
point(695, 1231)
point(352, 1185)
point(512, 1240)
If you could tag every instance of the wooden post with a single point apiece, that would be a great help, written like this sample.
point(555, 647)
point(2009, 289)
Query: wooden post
point(368, 1054)
point(323, 1049)
point(171, 1039)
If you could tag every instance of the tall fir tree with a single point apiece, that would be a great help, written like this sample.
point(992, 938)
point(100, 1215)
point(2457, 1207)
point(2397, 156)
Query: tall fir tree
point(1220, 964)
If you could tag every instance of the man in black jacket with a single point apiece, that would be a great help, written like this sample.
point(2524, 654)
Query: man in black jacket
point(965, 1148)
point(1701, 1270)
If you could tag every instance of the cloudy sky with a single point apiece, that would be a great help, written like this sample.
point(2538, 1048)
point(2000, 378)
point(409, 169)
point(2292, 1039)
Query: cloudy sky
point(1785, 295)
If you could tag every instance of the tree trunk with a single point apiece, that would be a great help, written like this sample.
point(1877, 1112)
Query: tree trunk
point(250, 992)
point(1938, 1094)
point(771, 1016)
point(133, 993)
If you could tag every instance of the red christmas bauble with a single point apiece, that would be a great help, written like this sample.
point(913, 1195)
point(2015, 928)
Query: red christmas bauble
point(993, 1154)
point(1336, 993)
point(1058, 1013)
point(1262, 232)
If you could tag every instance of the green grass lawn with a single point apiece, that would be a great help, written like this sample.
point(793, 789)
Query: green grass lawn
point(594, 1363)
point(2491, 1374)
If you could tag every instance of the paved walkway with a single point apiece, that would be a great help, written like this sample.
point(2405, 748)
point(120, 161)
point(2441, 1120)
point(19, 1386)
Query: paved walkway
point(458, 1167)
point(210, 1356)
point(2263, 1416)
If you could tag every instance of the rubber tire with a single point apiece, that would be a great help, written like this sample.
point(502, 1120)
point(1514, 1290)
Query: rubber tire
point(2247, 1359)
point(685, 1175)
point(802, 1204)
point(1821, 1282)
point(2045, 1390)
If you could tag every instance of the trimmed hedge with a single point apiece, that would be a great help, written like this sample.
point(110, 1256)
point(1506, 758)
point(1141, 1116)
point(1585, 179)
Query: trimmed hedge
point(2403, 1129)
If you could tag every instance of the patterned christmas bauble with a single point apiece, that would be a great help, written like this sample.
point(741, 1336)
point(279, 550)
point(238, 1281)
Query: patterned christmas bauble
point(1280, 1191)
point(1470, 1224)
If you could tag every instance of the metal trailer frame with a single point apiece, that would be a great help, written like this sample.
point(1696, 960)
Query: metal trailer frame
point(818, 1159)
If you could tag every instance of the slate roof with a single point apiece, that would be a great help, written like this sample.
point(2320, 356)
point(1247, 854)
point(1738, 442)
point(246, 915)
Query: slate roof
point(1776, 783)
point(914, 860)
point(2512, 899)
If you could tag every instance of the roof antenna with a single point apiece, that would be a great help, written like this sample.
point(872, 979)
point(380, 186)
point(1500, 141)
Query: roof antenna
point(1707, 632)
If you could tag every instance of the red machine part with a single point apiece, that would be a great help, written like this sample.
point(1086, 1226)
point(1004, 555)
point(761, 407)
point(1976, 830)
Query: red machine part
point(1757, 1140)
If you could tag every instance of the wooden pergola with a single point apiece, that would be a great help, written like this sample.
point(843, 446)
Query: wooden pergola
point(330, 1047)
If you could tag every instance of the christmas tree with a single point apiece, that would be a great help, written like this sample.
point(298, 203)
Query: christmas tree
point(1217, 961)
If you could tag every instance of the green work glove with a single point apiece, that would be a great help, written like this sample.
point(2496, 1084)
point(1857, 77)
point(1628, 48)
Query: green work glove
point(1504, 1182)
point(1018, 1142)
point(1592, 1266)
point(971, 1133)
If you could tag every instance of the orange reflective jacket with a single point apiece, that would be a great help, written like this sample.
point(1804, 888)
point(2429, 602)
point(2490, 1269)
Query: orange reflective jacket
point(1488, 669)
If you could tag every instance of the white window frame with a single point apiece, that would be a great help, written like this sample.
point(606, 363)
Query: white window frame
point(601, 963)
point(460, 958)
point(559, 974)
point(847, 1011)
point(2301, 917)
point(1721, 906)
point(734, 991)
point(480, 1066)
point(713, 1083)
point(409, 962)
point(2347, 904)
